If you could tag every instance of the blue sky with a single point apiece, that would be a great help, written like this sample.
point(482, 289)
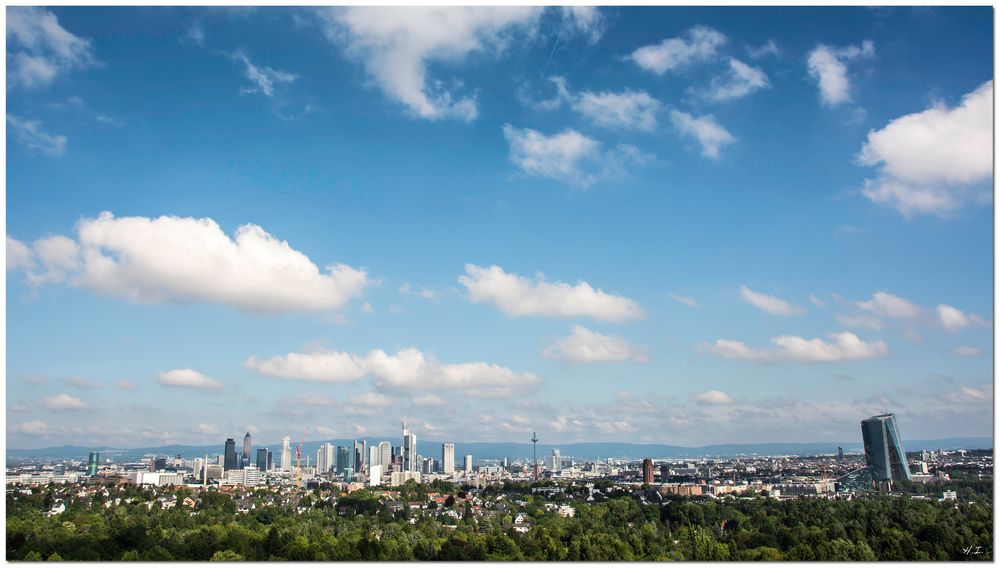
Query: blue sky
point(674, 225)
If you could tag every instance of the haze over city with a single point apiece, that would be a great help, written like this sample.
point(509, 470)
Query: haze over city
point(691, 227)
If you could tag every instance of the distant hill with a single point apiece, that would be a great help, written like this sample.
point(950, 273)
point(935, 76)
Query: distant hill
point(499, 450)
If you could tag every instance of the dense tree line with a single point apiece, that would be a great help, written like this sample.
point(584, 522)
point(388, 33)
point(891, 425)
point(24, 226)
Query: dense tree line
point(359, 527)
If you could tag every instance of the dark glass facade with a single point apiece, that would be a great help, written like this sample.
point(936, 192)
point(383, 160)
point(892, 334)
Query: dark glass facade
point(884, 452)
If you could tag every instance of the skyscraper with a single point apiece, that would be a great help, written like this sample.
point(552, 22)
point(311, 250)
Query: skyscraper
point(409, 449)
point(92, 462)
point(329, 453)
point(840, 453)
point(230, 455)
point(286, 454)
point(884, 453)
point(247, 446)
point(262, 459)
point(344, 456)
point(448, 458)
point(468, 464)
point(385, 455)
point(647, 470)
point(556, 464)
point(373, 457)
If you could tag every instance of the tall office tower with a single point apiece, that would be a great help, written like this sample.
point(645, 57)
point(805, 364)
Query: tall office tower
point(349, 475)
point(262, 459)
point(884, 453)
point(319, 460)
point(270, 461)
point(329, 457)
point(409, 449)
point(840, 453)
point(385, 455)
point(448, 458)
point(664, 473)
point(428, 466)
point(373, 457)
point(359, 455)
point(247, 446)
point(556, 464)
point(647, 470)
point(468, 463)
point(286, 454)
point(230, 454)
point(506, 463)
point(343, 459)
point(92, 460)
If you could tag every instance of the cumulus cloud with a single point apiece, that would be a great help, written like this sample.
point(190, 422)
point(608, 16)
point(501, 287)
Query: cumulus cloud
point(769, 48)
point(711, 135)
point(713, 397)
point(18, 255)
point(584, 20)
point(30, 134)
point(770, 304)
point(828, 66)
point(397, 45)
point(967, 351)
point(31, 427)
point(740, 81)
point(520, 296)
point(407, 370)
point(586, 346)
point(954, 319)
point(59, 256)
point(934, 161)
point(686, 300)
point(263, 78)
point(65, 402)
point(886, 305)
point(187, 378)
point(183, 259)
point(319, 366)
point(843, 346)
point(698, 44)
point(627, 110)
point(39, 48)
point(569, 157)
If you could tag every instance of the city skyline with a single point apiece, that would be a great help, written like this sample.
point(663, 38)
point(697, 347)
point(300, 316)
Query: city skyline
point(681, 226)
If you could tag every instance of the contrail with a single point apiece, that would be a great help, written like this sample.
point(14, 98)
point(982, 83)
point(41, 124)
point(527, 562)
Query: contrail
point(551, 53)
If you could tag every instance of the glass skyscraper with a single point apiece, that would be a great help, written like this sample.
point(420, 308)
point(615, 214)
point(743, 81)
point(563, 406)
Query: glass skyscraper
point(229, 462)
point(884, 453)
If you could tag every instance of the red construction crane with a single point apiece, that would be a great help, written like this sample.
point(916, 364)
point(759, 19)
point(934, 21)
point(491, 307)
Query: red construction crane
point(298, 458)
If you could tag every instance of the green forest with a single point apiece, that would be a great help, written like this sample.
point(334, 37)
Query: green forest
point(359, 526)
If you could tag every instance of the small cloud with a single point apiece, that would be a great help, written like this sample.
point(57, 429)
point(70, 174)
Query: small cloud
point(816, 301)
point(109, 121)
point(264, 79)
point(713, 397)
point(586, 346)
point(687, 301)
point(770, 304)
point(967, 351)
point(82, 383)
point(187, 378)
point(125, 384)
point(65, 402)
point(34, 138)
point(207, 429)
point(711, 135)
point(770, 48)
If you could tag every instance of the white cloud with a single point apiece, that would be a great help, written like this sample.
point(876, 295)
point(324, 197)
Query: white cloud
point(32, 136)
point(60, 256)
point(740, 81)
point(967, 351)
point(398, 44)
point(520, 296)
point(843, 346)
point(584, 20)
point(39, 48)
point(769, 48)
point(562, 95)
point(82, 383)
point(827, 66)
point(686, 300)
point(886, 305)
point(319, 366)
point(934, 161)
point(770, 304)
point(31, 427)
point(860, 320)
point(408, 370)
point(428, 400)
point(203, 428)
point(183, 259)
point(110, 121)
point(700, 44)
point(628, 110)
point(264, 78)
point(569, 157)
point(426, 293)
point(187, 378)
point(954, 319)
point(18, 255)
point(816, 301)
point(586, 346)
point(713, 397)
point(711, 135)
point(125, 384)
point(65, 402)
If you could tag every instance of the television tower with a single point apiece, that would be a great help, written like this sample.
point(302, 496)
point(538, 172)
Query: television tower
point(534, 454)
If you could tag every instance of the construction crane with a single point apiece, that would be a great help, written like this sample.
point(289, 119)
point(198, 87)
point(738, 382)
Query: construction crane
point(298, 459)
